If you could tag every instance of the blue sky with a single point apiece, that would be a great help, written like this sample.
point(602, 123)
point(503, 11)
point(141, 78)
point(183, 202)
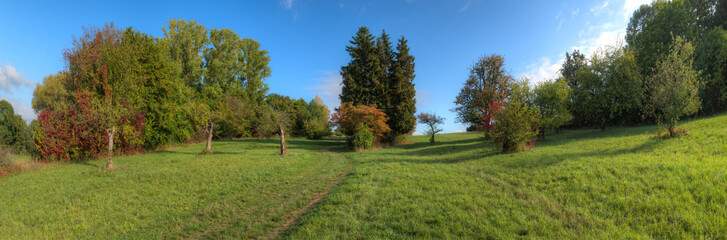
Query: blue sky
point(306, 39)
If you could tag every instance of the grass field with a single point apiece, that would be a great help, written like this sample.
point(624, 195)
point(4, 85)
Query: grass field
point(579, 184)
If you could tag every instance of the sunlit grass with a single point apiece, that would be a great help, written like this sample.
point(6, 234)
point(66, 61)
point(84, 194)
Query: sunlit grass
point(578, 184)
point(244, 190)
point(582, 184)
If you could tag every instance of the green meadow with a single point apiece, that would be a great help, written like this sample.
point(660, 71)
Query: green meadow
point(585, 184)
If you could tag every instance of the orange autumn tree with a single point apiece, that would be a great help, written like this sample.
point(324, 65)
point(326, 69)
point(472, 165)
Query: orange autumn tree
point(349, 117)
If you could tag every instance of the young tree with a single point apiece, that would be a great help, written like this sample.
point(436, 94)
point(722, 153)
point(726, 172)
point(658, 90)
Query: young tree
point(487, 85)
point(432, 121)
point(276, 121)
point(516, 125)
point(674, 86)
point(401, 93)
point(551, 99)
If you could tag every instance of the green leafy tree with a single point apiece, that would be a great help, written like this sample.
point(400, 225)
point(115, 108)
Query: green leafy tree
point(573, 63)
point(551, 100)
point(432, 121)
point(650, 30)
point(674, 86)
point(488, 83)
point(710, 61)
point(516, 125)
point(186, 41)
point(316, 123)
point(52, 93)
point(160, 93)
point(610, 88)
point(13, 130)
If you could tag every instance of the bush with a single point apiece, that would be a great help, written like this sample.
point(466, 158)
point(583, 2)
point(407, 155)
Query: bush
point(516, 125)
point(6, 158)
point(349, 118)
point(362, 138)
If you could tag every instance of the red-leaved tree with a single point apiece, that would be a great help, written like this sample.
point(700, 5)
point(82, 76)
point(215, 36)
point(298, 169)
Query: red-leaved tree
point(349, 117)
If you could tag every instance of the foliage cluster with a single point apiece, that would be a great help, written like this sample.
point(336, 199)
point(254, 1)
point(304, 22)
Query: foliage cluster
point(516, 124)
point(14, 133)
point(363, 138)
point(349, 118)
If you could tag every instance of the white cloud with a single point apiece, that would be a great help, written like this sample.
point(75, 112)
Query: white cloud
point(328, 87)
point(21, 108)
point(466, 6)
point(575, 12)
point(542, 70)
point(287, 4)
point(631, 5)
point(11, 78)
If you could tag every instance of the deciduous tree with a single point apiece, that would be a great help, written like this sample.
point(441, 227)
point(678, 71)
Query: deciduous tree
point(674, 86)
point(488, 83)
point(432, 121)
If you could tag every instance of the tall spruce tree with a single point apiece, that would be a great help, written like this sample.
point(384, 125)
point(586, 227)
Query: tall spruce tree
point(360, 75)
point(401, 92)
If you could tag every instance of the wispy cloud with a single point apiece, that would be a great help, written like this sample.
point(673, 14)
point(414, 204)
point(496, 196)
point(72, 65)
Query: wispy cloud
point(328, 87)
point(575, 12)
point(287, 4)
point(10, 78)
point(596, 10)
point(466, 6)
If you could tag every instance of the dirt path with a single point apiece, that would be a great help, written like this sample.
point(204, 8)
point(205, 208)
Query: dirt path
point(295, 216)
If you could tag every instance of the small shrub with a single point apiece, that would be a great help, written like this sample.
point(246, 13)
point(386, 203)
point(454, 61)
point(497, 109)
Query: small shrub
point(516, 125)
point(362, 138)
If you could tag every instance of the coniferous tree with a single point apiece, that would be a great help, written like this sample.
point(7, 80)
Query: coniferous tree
point(360, 75)
point(402, 104)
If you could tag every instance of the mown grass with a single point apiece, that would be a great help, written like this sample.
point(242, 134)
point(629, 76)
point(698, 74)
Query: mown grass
point(583, 184)
point(244, 190)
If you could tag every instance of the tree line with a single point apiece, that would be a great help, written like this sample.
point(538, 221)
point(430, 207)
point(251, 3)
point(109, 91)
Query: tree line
point(126, 91)
point(672, 66)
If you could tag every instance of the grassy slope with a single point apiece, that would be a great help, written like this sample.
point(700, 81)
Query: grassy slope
point(579, 184)
point(243, 190)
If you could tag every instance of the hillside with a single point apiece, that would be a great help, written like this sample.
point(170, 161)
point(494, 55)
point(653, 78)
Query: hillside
point(577, 184)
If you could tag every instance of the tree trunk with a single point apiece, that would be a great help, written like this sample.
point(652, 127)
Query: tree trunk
point(210, 132)
point(603, 125)
point(542, 133)
point(110, 132)
point(431, 139)
point(283, 148)
point(393, 139)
